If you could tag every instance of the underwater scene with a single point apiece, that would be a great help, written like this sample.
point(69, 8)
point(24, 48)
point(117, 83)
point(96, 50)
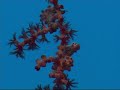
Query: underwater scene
point(60, 44)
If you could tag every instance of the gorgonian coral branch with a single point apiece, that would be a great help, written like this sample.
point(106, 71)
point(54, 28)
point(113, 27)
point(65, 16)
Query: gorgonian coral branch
point(51, 20)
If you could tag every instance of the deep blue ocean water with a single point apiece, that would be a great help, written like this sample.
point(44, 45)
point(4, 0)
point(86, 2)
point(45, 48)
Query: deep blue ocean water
point(96, 65)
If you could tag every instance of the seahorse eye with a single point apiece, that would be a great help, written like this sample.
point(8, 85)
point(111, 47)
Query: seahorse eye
point(73, 43)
